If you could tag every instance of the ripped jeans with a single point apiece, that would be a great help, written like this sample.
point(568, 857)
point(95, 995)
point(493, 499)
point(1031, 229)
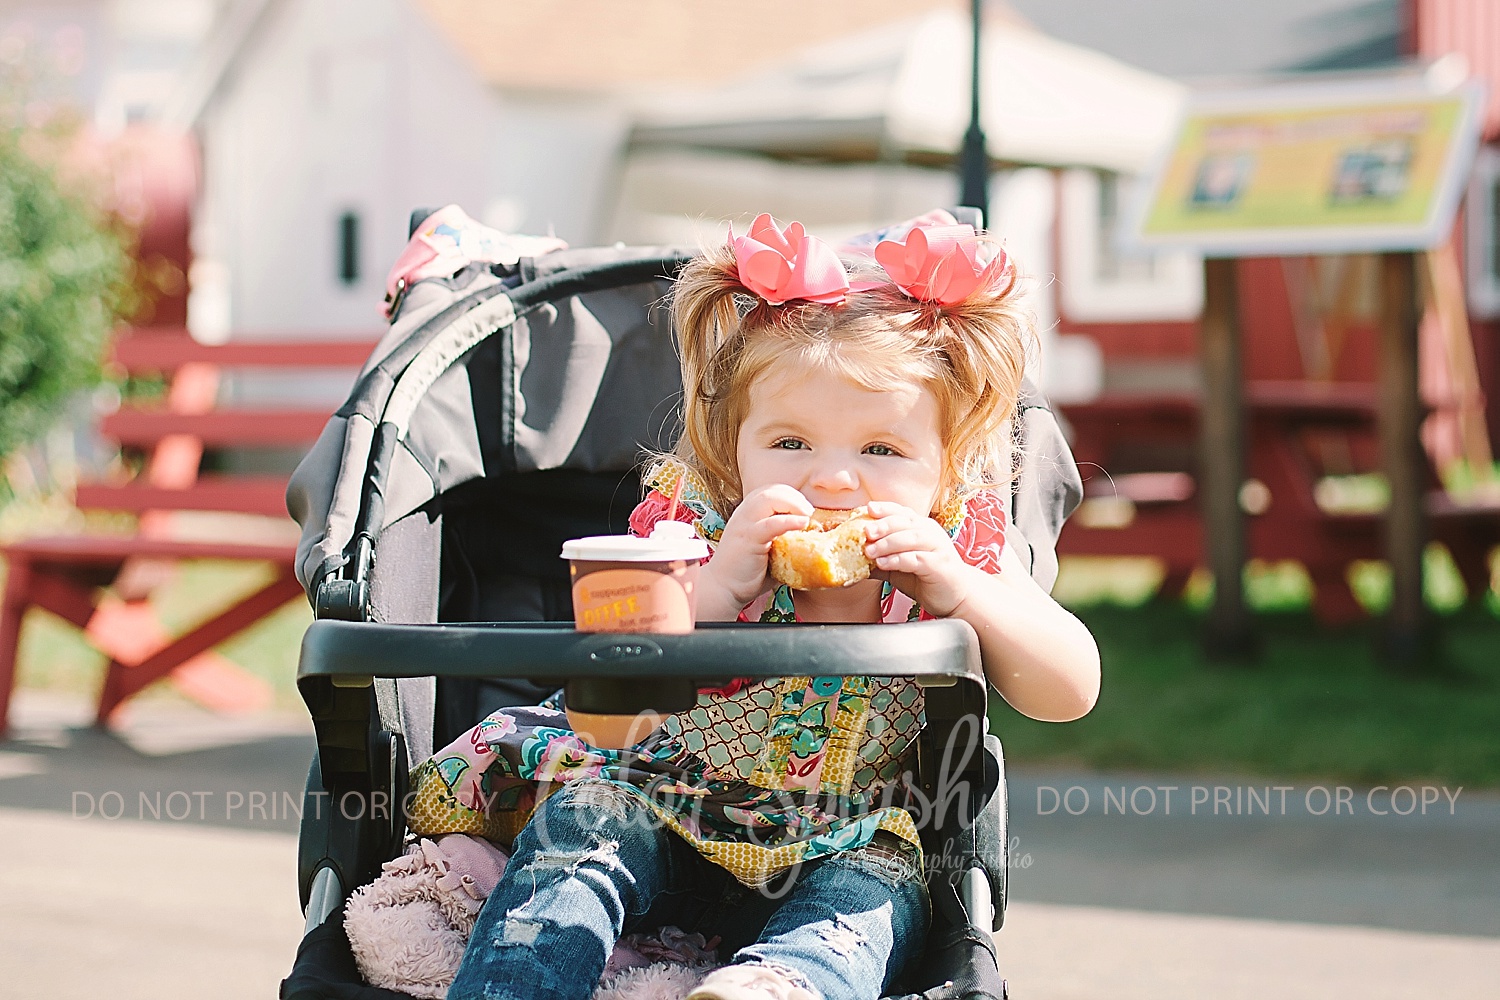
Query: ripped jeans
point(596, 863)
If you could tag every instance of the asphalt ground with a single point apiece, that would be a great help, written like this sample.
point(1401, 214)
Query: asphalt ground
point(159, 861)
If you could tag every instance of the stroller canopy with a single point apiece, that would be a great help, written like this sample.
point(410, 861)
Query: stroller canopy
point(565, 362)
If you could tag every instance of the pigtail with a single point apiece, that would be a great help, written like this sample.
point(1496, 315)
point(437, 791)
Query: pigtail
point(707, 314)
point(985, 340)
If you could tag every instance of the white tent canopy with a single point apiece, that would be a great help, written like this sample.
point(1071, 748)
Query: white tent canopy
point(904, 89)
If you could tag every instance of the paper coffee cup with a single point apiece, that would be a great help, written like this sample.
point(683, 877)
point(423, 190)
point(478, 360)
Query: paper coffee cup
point(626, 584)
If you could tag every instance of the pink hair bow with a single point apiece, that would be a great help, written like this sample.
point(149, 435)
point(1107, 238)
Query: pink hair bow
point(939, 264)
point(782, 265)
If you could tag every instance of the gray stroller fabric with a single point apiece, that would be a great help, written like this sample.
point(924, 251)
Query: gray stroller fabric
point(479, 392)
point(583, 383)
point(1047, 488)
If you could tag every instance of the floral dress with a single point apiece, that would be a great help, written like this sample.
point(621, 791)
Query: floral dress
point(759, 776)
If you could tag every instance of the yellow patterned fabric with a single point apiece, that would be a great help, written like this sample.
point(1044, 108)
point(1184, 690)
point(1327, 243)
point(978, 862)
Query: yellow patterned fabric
point(757, 776)
point(434, 808)
point(755, 866)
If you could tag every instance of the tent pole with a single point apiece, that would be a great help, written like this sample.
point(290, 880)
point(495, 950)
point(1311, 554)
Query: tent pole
point(974, 159)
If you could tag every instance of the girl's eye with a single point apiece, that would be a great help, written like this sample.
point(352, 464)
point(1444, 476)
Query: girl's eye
point(880, 449)
point(789, 444)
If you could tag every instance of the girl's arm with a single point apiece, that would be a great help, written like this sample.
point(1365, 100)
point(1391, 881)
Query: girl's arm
point(1040, 658)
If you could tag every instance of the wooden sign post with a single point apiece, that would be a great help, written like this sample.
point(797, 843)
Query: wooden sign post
point(1333, 166)
point(1221, 460)
point(1399, 420)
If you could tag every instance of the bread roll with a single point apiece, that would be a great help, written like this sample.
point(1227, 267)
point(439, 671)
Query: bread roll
point(830, 553)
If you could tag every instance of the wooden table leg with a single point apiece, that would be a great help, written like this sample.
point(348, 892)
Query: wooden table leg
point(16, 601)
point(121, 682)
point(51, 588)
point(1229, 631)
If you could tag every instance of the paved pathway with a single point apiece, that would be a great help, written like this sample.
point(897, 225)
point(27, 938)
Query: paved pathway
point(167, 763)
point(143, 911)
point(1055, 952)
point(1435, 873)
point(196, 896)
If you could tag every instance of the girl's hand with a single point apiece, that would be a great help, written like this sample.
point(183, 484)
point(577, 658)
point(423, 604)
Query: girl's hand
point(738, 572)
point(916, 555)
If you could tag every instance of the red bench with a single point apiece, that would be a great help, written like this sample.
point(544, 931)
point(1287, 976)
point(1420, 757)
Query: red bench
point(66, 575)
point(1148, 447)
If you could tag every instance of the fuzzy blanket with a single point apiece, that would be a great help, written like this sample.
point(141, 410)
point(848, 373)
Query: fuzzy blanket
point(408, 928)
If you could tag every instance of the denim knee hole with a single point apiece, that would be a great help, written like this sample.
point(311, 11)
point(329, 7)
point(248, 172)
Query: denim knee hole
point(521, 931)
point(842, 936)
point(894, 865)
point(791, 975)
point(604, 796)
point(605, 853)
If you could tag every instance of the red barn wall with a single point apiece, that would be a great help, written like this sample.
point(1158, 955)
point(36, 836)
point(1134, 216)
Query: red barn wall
point(1268, 331)
point(1471, 28)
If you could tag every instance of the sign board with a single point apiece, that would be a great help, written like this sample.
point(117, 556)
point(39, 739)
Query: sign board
point(1313, 169)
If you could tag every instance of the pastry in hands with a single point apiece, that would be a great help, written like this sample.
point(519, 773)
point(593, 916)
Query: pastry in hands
point(830, 553)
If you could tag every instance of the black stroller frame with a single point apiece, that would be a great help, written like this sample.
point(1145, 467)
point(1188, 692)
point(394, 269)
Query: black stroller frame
point(532, 392)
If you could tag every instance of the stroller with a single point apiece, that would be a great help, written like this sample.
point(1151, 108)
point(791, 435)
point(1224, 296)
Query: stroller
point(506, 411)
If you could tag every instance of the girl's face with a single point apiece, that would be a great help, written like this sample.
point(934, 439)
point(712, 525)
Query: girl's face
point(841, 445)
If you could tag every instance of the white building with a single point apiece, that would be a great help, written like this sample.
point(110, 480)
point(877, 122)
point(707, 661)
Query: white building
point(322, 124)
point(325, 122)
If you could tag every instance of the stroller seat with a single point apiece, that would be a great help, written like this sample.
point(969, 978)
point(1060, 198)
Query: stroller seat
point(506, 411)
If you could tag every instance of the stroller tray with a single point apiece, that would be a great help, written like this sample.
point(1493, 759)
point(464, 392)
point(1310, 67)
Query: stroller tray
point(626, 672)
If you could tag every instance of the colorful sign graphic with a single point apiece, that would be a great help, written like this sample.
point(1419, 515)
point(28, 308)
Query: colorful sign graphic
point(1357, 171)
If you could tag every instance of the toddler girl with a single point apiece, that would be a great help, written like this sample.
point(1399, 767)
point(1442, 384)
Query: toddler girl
point(770, 814)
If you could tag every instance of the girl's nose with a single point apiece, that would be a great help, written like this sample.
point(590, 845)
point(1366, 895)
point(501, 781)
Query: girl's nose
point(834, 476)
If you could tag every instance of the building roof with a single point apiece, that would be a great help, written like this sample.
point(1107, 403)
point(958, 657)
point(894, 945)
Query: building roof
point(1194, 38)
point(591, 45)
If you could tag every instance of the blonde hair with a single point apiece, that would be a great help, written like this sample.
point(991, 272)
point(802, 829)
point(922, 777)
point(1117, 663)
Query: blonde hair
point(972, 357)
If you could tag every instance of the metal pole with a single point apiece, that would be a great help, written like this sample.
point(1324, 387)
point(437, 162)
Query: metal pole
point(1229, 634)
point(974, 160)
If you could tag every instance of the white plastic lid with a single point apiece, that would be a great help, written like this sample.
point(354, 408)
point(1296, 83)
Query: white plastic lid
point(670, 540)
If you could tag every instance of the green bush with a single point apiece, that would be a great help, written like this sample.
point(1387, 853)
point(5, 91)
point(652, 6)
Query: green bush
point(63, 279)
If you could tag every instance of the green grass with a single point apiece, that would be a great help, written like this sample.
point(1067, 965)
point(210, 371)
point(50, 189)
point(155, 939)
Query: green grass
point(1317, 703)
